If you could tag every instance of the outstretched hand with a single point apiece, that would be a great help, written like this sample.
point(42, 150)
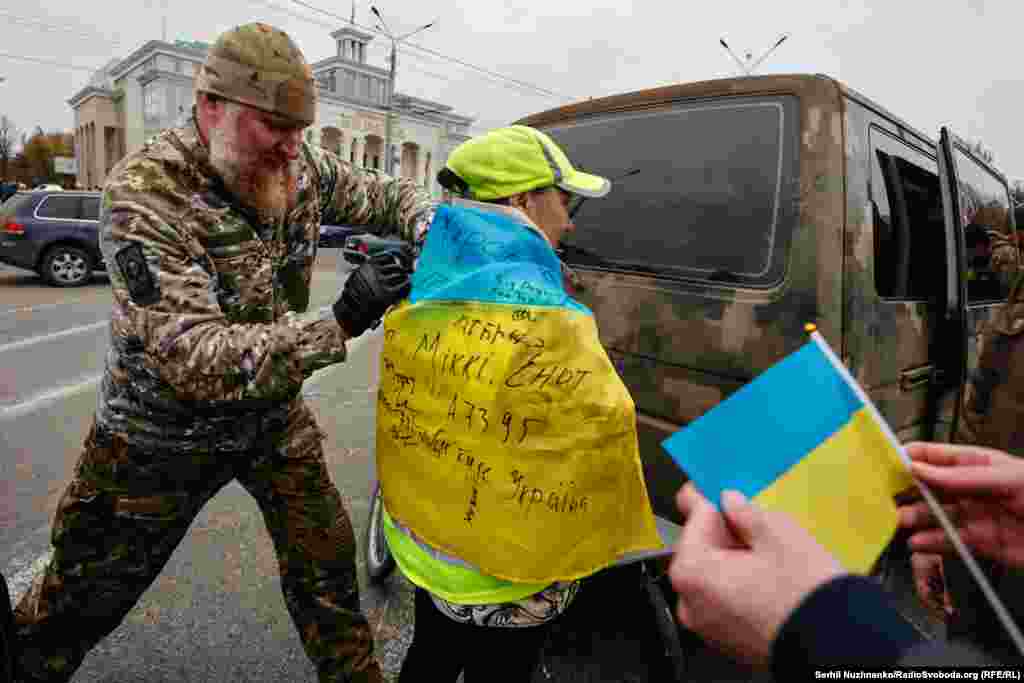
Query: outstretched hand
point(384, 280)
point(982, 491)
point(739, 574)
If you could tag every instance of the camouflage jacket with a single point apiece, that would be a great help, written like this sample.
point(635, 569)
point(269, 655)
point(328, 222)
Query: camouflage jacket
point(207, 344)
point(993, 405)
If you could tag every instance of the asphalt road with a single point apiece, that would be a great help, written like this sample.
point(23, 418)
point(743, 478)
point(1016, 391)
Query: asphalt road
point(216, 611)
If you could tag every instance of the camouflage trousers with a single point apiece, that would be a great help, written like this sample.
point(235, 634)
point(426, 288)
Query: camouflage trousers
point(992, 415)
point(127, 509)
point(992, 409)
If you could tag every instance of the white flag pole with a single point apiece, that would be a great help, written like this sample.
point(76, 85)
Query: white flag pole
point(933, 504)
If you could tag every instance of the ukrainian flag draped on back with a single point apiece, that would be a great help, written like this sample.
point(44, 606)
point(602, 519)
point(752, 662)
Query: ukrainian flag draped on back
point(504, 435)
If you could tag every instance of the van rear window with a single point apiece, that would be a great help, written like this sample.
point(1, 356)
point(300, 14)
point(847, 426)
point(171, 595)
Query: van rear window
point(711, 190)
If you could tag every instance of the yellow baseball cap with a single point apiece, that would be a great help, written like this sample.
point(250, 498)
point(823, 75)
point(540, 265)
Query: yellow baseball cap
point(508, 161)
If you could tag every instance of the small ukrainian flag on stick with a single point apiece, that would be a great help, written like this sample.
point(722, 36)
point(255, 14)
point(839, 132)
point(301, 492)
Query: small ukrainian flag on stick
point(804, 438)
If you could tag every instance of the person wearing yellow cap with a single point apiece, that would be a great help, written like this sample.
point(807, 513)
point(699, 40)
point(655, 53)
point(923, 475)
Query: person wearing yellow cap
point(493, 560)
point(523, 168)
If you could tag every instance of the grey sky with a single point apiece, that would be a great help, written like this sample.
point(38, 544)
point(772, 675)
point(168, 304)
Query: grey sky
point(955, 66)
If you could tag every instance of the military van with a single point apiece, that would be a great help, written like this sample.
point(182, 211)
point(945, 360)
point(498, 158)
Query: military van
point(743, 209)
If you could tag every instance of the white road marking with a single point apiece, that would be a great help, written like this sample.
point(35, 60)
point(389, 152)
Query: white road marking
point(46, 397)
point(19, 584)
point(39, 307)
point(383, 617)
point(43, 338)
point(39, 339)
point(22, 580)
point(49, 396)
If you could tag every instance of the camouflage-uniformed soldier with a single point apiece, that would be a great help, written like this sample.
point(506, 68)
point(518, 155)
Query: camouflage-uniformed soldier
point(209, 234)
point(991, 413)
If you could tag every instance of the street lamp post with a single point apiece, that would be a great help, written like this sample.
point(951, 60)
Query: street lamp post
point(389, 156)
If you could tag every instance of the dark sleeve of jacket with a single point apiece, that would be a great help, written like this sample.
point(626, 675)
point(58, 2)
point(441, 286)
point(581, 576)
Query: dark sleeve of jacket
point(851, 622)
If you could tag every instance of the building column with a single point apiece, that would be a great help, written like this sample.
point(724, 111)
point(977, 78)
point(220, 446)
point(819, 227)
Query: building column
point(93, 156)
point(359, 146)
point(345, 150)
point(102, 156)
point(94, 165)
point(83, 170)
point(421, 166)
point(89, 170)
point(78, 157)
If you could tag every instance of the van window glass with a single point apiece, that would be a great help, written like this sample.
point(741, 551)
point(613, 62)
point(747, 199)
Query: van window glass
point(906, 200)
point(985, 218)
point(59, 206)
point(708, 190)
point(91, 208)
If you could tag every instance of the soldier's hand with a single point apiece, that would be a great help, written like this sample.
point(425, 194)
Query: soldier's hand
point(982, 490)
point(384, 280)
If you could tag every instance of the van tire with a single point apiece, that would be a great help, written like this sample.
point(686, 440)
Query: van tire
point(65, 265)
point(668, 629)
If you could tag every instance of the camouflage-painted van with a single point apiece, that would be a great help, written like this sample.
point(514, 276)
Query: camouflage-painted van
point(743, 209)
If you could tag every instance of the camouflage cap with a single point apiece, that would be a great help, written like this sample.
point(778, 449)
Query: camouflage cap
point(259, 65)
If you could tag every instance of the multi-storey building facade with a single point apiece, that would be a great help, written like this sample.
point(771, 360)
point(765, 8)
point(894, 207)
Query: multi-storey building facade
point(132, 99)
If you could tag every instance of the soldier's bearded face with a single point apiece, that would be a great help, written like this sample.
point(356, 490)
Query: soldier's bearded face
point(257, 158)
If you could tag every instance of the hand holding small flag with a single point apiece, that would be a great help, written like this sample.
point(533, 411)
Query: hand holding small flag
point(804, 441)
point(736, 553)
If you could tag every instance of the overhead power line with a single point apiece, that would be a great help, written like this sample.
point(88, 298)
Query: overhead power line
point(47, 26)
point(451, 79)
point(295, 15)
point(491, 76)
point(442, 56)
point(382, 53)
point(50, 62)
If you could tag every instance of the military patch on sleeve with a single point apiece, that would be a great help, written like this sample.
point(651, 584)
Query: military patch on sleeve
point(141, 285)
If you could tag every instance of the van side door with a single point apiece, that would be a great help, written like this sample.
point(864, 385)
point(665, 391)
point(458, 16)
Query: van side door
point(980, 237)
point(895, 276)
point(980, 227)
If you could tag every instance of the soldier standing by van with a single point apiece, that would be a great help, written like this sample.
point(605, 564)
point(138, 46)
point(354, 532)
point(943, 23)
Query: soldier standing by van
point(991, 414)
point(210, 234)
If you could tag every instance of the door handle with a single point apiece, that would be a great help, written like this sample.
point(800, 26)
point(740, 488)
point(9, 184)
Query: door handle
point(914, 378)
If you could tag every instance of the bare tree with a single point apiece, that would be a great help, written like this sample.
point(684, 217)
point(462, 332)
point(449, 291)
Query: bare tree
point(8, 137)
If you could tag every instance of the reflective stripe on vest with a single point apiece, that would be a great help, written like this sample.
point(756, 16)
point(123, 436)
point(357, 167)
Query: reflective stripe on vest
point(449, 577)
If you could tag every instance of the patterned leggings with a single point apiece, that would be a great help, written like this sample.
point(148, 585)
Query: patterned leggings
point(442, 648)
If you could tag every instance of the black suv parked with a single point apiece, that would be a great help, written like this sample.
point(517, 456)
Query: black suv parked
point(53, 233)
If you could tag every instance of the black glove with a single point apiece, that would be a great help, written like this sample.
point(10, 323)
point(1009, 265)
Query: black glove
point(372, 288)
